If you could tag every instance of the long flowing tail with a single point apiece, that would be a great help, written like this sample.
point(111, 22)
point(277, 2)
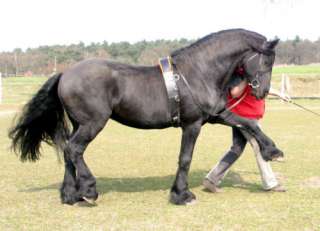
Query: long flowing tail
point(42, 119)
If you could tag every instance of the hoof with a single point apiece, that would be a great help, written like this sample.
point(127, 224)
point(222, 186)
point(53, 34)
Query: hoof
point(70, 200)
point(272, 154)
point(90, 195)
point(280, 159)
point(276, 153)
point(193, 202)
point(182, 198)
point(90, 201)
point(69, 197)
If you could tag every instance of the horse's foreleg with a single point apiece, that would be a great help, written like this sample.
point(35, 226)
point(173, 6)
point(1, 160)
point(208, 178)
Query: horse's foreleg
point(268, 149)
point(180, 193)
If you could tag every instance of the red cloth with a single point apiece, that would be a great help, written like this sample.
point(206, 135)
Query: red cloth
point(250, 107)
point(240, 71)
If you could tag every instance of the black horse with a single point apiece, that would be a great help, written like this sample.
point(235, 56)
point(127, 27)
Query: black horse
point(95, 90)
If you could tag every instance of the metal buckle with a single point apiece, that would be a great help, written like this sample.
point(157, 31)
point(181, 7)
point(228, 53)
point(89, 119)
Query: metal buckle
point(254, 83)
point(176, 77)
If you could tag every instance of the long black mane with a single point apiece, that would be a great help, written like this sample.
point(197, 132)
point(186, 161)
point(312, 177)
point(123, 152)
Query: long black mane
point(208, 40)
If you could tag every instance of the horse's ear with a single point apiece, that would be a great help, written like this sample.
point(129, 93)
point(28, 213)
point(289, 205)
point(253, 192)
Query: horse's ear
point(270, 45)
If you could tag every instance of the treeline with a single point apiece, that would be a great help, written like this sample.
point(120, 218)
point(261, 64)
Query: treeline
point(45, 60)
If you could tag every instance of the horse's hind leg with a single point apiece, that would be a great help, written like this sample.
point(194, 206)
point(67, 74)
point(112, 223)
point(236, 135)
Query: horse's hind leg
point(85, 181)
point(68, 189)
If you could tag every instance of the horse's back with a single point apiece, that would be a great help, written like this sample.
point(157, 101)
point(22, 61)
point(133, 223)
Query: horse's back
point(133, 95)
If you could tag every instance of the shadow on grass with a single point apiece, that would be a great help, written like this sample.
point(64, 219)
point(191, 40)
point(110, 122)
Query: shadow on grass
point(140, 184)
point(234, 180)
point(156, 183)
point(133, 184)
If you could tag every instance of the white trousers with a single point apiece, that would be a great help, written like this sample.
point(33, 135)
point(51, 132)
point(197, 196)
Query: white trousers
point(267, 176)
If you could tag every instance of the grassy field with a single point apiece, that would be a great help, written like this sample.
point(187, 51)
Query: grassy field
point(305, 81)
point(135, 169)
point(297, 69)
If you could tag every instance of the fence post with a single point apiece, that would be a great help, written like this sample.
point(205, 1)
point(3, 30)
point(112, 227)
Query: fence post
point(0, 88)
point(285, 84)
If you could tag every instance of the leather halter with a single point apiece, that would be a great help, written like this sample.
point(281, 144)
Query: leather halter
point(170, 80)
point(255, 83)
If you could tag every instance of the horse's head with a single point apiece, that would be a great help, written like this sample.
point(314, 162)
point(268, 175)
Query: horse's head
point(258, 67)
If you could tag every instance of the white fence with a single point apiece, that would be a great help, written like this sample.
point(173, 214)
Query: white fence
point(0, 87)
point(298, 86)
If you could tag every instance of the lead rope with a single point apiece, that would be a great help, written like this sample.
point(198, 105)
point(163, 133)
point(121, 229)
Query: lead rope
point(237, 102)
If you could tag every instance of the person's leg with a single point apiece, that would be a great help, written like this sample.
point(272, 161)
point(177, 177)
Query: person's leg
point(216, 174)
point(268, 178)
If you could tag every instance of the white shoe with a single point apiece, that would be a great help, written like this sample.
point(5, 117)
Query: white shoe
point(211, 186)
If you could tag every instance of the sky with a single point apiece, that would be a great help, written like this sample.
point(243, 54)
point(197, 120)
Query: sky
point(31, 23)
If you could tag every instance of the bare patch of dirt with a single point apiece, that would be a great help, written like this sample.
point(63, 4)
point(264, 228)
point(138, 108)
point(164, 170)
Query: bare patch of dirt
point(312, 182)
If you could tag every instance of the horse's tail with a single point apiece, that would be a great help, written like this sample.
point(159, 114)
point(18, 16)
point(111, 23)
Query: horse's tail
point(42, 119)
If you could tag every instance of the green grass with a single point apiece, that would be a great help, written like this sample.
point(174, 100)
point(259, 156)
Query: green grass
point(17, 90)
point(306, 78)
point(297, 69)
point(135, 169)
